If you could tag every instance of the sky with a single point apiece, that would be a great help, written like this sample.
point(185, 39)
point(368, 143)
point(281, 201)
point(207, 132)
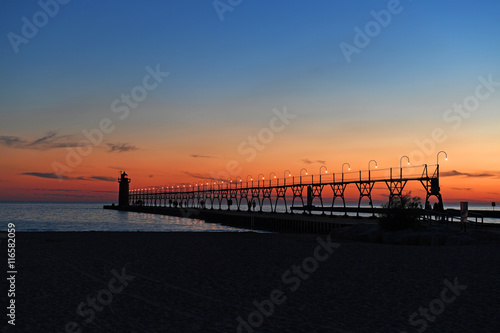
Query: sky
point(180, 91)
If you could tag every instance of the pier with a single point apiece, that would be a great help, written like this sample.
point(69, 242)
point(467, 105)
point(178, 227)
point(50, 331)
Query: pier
point(261, 193)
point(253, 204)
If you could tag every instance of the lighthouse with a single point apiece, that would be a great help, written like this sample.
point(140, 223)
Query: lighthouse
point(123, 199)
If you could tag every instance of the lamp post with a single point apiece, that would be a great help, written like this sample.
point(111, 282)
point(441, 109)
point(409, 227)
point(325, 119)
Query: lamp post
point(285, 173)
point(258, 179)
point(349, 168)
point(437, 160)
point(369, 173)
point(326, 171)
point(400, 167)
point(301, 174)
point(271, 177)
point(251, 178)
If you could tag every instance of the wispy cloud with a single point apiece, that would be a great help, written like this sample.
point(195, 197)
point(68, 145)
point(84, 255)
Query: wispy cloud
point(49, 175)
point(461, 188)
point(201, 156)
point(67, 195)
point(11, 141)
point(121, 147)
point(103, 178)
point(453, 173)
point(43, 175)
point(48, 141)
point(308, 161)
point(197, 175)
point(54, 190)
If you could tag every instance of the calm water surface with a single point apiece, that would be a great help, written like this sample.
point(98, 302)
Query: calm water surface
point(92, 217)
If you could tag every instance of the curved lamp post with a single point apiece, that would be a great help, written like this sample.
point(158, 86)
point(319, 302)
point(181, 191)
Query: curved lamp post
point(369, 173)
point(400, 167)
point(437, 160)
point(285, 173)
point(320, 168)
point(258, 179)
point(437, 156)
point(251, 179)
point(349, 168)
point(271, 177)
point(301, 174)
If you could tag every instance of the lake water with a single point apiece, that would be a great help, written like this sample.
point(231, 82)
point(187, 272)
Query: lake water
point(92, 217)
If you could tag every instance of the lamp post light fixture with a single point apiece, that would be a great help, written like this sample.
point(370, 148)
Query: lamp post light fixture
point(400, 167)
point(285, 173)
point(251, 179)
point(301, 174)
point(437, 160)
point(369, 173)
point(349, 168)
point(320, 168)
point(272, 176)
point(258, 179)
point(445, 155)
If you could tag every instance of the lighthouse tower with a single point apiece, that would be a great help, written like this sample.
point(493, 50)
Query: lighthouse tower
point(123, 199)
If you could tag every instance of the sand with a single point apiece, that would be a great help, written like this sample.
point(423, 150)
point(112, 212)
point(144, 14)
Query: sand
point(204, 282)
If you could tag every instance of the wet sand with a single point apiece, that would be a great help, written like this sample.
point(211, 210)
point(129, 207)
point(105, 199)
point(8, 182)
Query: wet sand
point(204, 282)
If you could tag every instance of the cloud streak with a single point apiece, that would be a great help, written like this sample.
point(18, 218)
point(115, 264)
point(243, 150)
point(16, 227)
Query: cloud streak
point(201, 156)
point(454, 173)
point(462, 188)
point(121, 147)
point(50, 175)
point(308, 161)
point(50, 140)
point(197, 175)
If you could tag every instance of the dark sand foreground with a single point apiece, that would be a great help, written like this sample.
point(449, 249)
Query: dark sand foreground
point(202, 282)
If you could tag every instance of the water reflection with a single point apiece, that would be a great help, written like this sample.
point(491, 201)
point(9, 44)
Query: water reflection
point(92, 217)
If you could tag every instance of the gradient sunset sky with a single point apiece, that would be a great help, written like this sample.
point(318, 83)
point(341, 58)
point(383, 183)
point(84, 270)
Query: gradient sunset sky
point(423, 80)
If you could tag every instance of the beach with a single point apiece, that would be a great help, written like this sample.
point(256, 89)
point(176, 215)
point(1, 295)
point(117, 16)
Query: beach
point(249, 282)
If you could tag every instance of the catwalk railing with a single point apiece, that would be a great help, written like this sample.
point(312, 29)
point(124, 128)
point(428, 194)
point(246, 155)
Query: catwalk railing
point(259, 192)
